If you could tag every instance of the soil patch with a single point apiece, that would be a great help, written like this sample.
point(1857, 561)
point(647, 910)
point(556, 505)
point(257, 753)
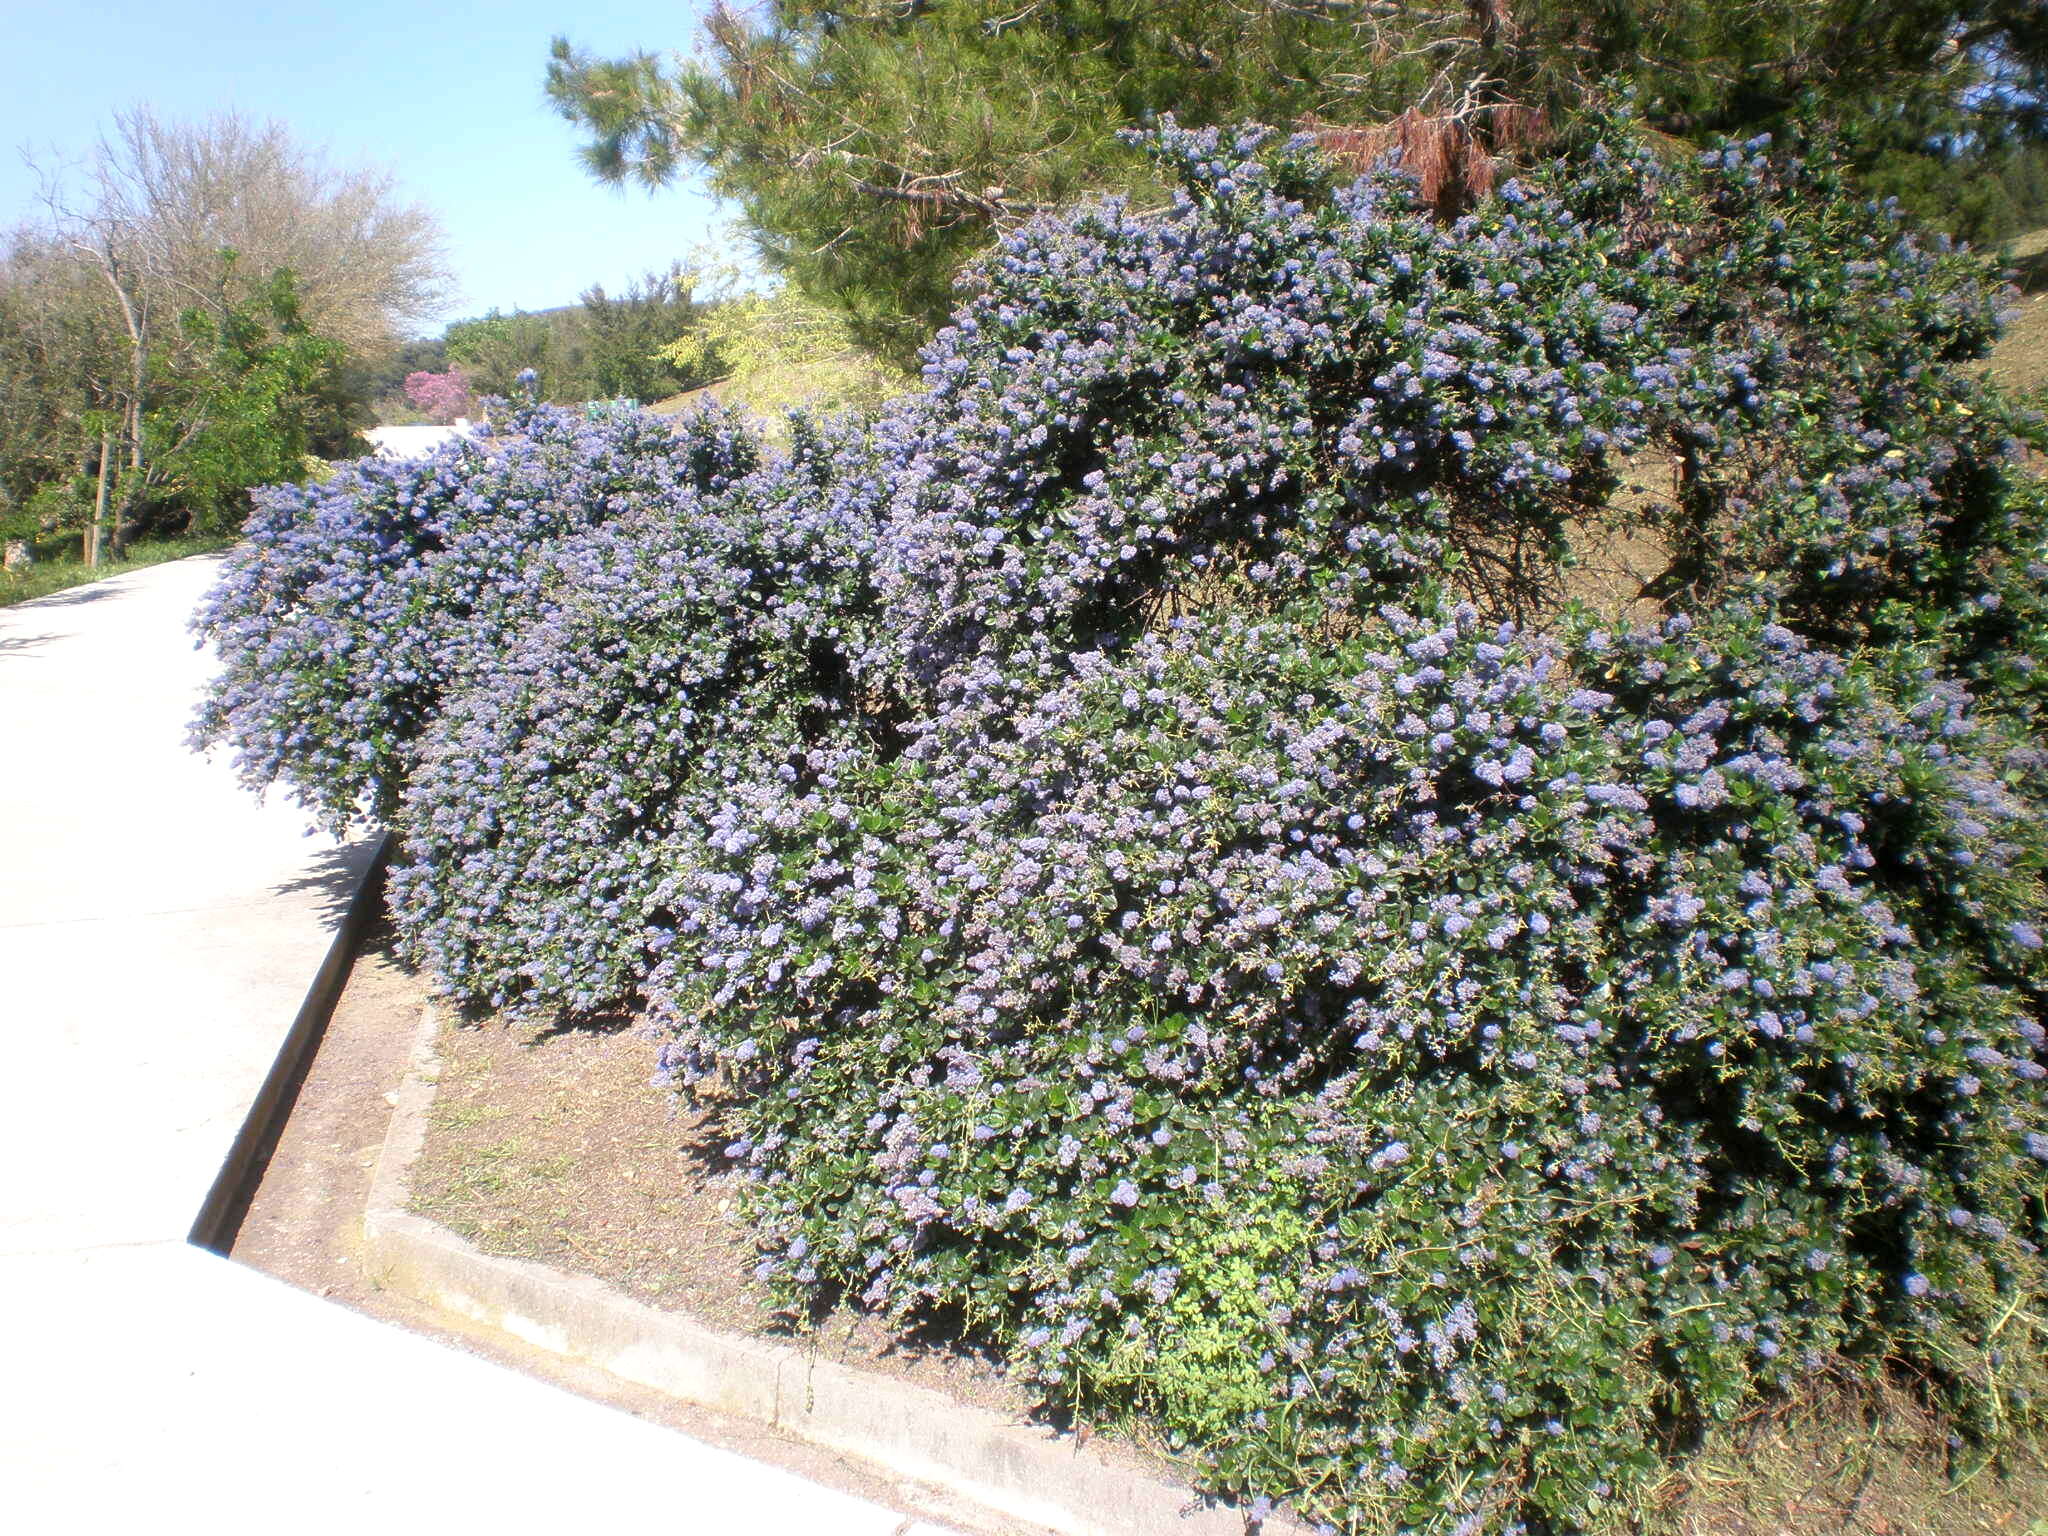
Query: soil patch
point(1860, 1461)
point(553, 1146)
point(304, 1218)
point(2020, 360)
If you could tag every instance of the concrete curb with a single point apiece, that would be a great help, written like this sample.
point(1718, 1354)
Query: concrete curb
point(1028, 1473)
point(213, 1228)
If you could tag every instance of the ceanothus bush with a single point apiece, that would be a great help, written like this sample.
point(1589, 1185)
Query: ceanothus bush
point(1425, 1064)
point(681, 653)
point(352, 606)
point(1472, 1069)
point(1158, 871)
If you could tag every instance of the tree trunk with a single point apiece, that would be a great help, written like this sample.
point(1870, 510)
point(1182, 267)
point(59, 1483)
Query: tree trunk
point(138, 380)
point(131, 482)
point(99, 502)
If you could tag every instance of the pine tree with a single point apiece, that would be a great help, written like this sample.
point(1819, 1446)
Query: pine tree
point(875, 145)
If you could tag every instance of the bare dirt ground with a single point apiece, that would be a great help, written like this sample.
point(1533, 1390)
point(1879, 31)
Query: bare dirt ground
point(1851, 1463)
point(552, 1146)
point(304, 1225)
point(2021, 357)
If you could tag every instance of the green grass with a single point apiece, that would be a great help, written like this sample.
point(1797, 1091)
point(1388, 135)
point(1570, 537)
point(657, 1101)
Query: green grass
point(58, 566)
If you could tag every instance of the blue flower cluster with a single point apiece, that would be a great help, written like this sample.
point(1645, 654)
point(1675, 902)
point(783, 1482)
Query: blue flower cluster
point(666, 658)
point(352, 607)
point(1157, 871)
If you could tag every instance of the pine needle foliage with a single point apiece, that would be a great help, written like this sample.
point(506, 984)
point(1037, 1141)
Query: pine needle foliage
point(875, 146)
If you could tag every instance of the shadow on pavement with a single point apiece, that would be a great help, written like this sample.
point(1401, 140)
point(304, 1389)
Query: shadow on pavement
point(72, 597)
point(334, 877)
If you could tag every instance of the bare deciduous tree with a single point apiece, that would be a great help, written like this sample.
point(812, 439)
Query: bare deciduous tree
point(172, 216)
point(367, 264)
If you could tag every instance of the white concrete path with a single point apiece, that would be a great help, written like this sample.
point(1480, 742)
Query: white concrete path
point(158, 931)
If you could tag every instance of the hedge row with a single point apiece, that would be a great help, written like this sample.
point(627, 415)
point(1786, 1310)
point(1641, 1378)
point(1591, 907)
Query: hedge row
point(1161, 877)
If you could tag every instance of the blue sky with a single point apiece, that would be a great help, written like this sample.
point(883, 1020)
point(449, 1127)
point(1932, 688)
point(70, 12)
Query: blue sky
point(447, 95)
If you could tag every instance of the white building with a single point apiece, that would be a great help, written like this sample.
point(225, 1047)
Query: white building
point(415, 442)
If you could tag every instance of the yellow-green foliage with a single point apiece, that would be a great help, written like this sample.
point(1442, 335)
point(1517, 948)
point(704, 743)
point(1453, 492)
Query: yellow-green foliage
point(779, 351)
point(1210, 1373)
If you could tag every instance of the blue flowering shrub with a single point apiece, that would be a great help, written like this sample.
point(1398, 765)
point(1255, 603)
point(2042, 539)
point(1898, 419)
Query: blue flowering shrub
point(685, 653)
point(350, 607)
point(1159, 873)
point(1400, 1071)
